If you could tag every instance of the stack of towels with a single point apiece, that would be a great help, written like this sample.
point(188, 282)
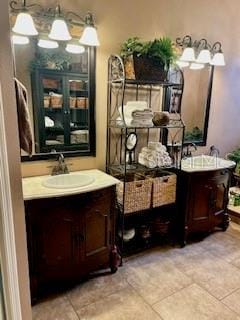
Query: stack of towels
point(79, 136)
point(142, 118)
point(154, 155)
point(136, 113)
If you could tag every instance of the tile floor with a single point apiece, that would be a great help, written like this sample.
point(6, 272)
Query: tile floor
point(198, 282)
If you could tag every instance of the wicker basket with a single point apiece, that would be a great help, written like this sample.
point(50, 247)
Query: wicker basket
point(81, 103)
point(137, 193)
point(56, 102)
point(46, 101)
point(164, 189)
point(72, 102)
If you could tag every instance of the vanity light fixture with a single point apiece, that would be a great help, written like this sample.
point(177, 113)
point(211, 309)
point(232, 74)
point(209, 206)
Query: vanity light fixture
point(218, 57)
point(206, 54)
point(74, 48)
point(24, 25)
point(196, 66)
point(182, 64)
point(16, 39)
point(47, 44)
point(59, 21)
point(59, 30)
point(188, 54)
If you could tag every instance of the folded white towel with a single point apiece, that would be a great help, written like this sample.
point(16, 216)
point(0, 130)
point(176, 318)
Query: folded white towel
point(48, 122)
point(148, 163)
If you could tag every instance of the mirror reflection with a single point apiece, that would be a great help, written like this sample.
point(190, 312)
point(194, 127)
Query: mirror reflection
point(60, 88)
point(196, 103)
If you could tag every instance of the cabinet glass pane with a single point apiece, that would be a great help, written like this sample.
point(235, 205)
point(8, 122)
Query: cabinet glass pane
point(53, 110)
point(78, 106)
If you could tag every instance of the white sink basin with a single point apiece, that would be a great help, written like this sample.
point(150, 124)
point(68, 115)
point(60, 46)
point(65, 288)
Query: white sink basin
point(65, 181)
point(205, 163)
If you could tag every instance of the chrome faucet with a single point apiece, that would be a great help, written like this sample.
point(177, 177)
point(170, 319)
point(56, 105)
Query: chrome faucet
point(214, 152)
point(188, 152)
point(61, 167)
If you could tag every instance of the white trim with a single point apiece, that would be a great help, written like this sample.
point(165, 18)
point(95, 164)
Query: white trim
point(7, 243)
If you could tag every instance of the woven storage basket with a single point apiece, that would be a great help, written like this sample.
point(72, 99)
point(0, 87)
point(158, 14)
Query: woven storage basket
point(56, 102)
point(137, 193)
point(46, 101)
point(164, 189)
point(72, 102)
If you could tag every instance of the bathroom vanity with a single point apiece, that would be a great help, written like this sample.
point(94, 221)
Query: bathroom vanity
point(70, 231)
point(203, 187)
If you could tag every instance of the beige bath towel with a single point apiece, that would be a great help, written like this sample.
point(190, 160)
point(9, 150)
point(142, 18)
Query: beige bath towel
point(24, 124)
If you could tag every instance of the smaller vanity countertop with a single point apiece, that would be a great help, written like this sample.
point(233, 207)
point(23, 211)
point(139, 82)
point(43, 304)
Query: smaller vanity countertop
point(204, 163)
point(33, 187)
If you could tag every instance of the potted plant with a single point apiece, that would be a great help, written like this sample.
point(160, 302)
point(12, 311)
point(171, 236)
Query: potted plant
point(151, 59)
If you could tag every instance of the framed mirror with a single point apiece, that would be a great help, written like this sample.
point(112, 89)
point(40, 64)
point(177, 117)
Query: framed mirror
point(61, 98)
point(196, 101)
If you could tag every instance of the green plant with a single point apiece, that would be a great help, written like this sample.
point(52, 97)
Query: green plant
point(160, 49)
point(195, 135)
point(52, 60)
point(234, 155)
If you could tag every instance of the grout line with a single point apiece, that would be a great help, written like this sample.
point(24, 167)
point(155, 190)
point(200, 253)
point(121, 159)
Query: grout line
point(145, 301)
point(70, 302)
point(100, 299)
point(229, 294)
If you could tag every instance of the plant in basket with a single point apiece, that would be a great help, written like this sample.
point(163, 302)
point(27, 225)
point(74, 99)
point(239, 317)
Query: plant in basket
point(151, 59)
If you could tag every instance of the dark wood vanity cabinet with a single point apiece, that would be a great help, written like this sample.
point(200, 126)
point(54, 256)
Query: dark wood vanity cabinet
point(202, 199)
point(69, 237)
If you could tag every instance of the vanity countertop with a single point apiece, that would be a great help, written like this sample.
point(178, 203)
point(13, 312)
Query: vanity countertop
point(33, 186)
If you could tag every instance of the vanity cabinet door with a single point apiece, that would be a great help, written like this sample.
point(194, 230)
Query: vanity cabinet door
point(97, 209)
point(54, 235)
point(199, 213)
point(206, 202)
point(219, 196)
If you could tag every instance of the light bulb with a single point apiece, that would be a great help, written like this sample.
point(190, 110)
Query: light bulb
point(74, 48)
point(218, 59)
point(19, 39)
point(188, 55)
point(48, 44)
point(204, 56)
point(89, 37)
point(59, 31)
point(24, 25)
point(196, 66)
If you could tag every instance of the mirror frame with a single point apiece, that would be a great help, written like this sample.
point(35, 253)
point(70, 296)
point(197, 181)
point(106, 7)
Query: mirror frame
point(92, 118)
point(203, 142)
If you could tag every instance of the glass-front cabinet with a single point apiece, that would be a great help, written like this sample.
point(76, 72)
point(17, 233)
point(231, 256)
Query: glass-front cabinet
point(62, 101)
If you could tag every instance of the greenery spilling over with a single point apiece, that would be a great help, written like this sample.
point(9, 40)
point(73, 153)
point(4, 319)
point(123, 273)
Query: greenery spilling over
point(161, 49)
point(234, 155)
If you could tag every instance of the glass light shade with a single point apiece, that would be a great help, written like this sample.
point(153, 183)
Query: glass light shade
point(196, 66)
point(48, 44)
point(89, 37)
point(204, 56)
point(75, 48)
point(218, 59)
point(182, 64)
point(20, 39)
point(24, 25)
point(188, 55)
point(59, 31)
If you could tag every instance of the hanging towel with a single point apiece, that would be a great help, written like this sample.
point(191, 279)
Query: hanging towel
point(24, 125)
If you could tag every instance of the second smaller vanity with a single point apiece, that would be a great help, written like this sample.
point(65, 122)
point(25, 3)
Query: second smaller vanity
point(203, 187)
point(70, 230)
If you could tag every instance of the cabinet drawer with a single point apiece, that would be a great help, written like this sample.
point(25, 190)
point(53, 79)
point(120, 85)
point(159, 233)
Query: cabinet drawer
point(100, 200)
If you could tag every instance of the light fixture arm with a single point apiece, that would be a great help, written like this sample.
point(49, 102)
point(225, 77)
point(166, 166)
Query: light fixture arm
point(23, 6)
point(81, 21)
point(217, 47)
point(185, 42)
